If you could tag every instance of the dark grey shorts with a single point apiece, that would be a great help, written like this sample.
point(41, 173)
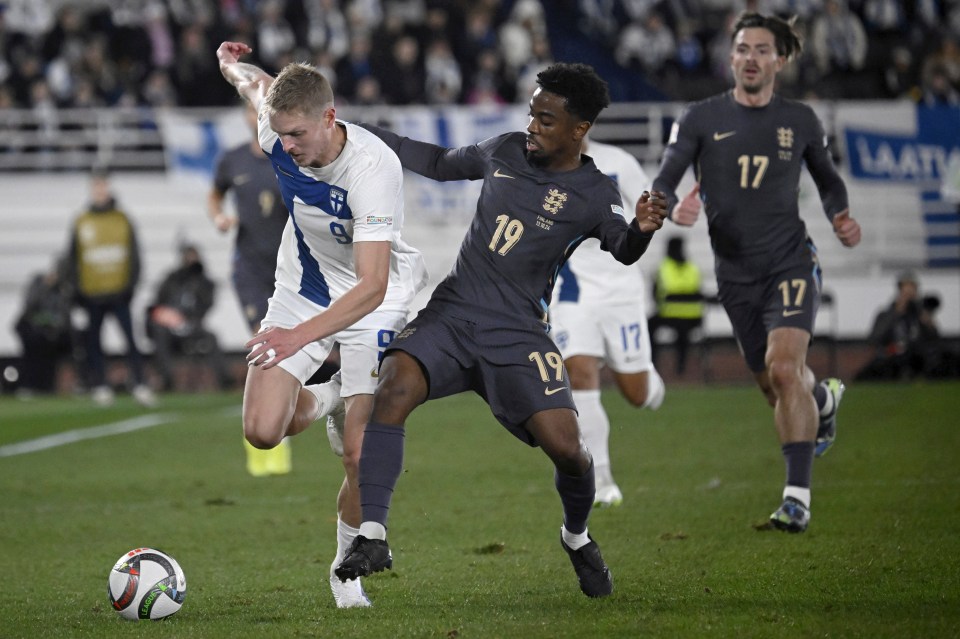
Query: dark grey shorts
point(515, 367)
point(788, 298)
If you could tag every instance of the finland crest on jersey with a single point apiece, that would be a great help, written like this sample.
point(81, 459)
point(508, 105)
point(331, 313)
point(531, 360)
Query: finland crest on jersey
point(337, 199)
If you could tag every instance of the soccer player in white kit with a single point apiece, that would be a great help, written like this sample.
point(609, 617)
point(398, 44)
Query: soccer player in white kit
point(343, 273)
point(598, 317)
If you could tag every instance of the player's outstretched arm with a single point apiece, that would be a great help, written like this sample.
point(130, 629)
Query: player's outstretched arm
point(687, 210)
point(650, 211)
point(846, 228)
point(250, 81)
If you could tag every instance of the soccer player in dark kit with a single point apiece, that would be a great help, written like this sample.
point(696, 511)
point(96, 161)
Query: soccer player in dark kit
point(484, 327)
point(748, 146)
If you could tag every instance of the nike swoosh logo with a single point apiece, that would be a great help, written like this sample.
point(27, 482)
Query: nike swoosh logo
point(791, 313)
point(552, 391)
point(723, 136)
point(497, 173)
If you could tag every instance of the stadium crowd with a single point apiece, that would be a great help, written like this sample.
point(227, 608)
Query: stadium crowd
point(60, 54)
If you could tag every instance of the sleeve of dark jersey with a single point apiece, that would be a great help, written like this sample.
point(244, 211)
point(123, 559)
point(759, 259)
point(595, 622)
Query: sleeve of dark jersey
point(833, 192)
point(677, 157)
point(625, 244)
point(430, 160)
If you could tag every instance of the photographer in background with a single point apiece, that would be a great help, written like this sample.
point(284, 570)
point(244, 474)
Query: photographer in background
point(905, 335)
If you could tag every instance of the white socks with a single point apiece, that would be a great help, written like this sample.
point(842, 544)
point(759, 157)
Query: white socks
point(656, 390)
point(800, 494)
point(373, 530)
point(574, 542)
point(345, 536)
point(327, 394)
point(594, 425)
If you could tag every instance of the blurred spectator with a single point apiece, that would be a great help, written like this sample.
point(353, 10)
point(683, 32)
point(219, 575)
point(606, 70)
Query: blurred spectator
point(937, 89)
point(327, 28)
point(44, 329)
point(486, 86)
point(275, 36)
point(516, 36)
point(598, 19)
point(442, 82)
point(32, 18)
point(647, 45)
point(175, 320)
point(403, 80)
point(158, 90)
point(945, 59)
point(104, 266)
point(838, 42)
point(479, 37)
point(540, 59)
point(195, 73)
point(354, 66)
point(899, 74)
point(906, 337)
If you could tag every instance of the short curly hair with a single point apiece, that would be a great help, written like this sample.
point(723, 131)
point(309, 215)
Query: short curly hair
point(586, 93)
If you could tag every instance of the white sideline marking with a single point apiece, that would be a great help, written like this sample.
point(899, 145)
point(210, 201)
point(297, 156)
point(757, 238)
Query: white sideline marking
point(80, 434)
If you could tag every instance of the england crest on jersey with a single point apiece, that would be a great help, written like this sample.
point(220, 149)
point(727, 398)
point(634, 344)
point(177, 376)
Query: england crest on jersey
point(338, 197)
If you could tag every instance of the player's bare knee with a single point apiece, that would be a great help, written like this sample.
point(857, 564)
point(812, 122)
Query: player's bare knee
point(783, 374)
point(260, 433)
point(636, 398)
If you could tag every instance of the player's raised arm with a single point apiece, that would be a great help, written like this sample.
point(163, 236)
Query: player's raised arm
point(250, 81)
point(650, 211)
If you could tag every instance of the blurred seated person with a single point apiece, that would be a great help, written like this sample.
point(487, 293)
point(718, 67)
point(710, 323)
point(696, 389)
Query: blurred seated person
point(175, 319)
point(905, 336)
point(44, 329)
point(676, 291)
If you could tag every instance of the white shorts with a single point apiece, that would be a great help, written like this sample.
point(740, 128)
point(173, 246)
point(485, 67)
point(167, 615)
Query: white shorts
point(361, 345)
point(615, 334)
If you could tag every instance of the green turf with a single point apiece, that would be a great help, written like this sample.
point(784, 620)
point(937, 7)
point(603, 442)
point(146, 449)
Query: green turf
point(475, 525)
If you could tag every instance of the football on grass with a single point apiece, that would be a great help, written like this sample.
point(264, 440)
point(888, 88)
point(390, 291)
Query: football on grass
point(146, 583)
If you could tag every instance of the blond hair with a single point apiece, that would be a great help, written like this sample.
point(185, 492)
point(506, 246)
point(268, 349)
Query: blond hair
point(300, 88)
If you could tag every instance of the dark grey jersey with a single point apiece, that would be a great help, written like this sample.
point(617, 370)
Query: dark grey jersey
point(748, 163)
point(261, 214)
point(527, 223)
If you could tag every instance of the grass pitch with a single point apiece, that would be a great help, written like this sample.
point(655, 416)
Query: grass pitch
point(475, 524)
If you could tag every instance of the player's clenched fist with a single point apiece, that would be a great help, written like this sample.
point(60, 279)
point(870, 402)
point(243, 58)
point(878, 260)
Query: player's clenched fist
point(687, 210)
point(651, 211)
point(230, 52)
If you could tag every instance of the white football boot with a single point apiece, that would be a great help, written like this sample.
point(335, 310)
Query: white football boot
point(347, 594)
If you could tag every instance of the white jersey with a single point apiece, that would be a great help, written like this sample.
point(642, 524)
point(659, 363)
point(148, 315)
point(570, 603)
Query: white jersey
point(591, 275)
point(356, 198)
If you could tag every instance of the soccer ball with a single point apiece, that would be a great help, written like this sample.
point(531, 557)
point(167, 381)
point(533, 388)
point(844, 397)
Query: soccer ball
point(146, 583)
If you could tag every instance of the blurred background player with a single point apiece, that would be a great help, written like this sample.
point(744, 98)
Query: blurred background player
point(598, 318)
point(676, 291)
point(104, 267)
point(748, 146)
point(260, 217)
point(175, 320)
point(43, 327)
point(343, 272)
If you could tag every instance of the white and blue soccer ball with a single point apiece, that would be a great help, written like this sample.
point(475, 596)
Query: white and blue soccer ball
point(146, 583)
